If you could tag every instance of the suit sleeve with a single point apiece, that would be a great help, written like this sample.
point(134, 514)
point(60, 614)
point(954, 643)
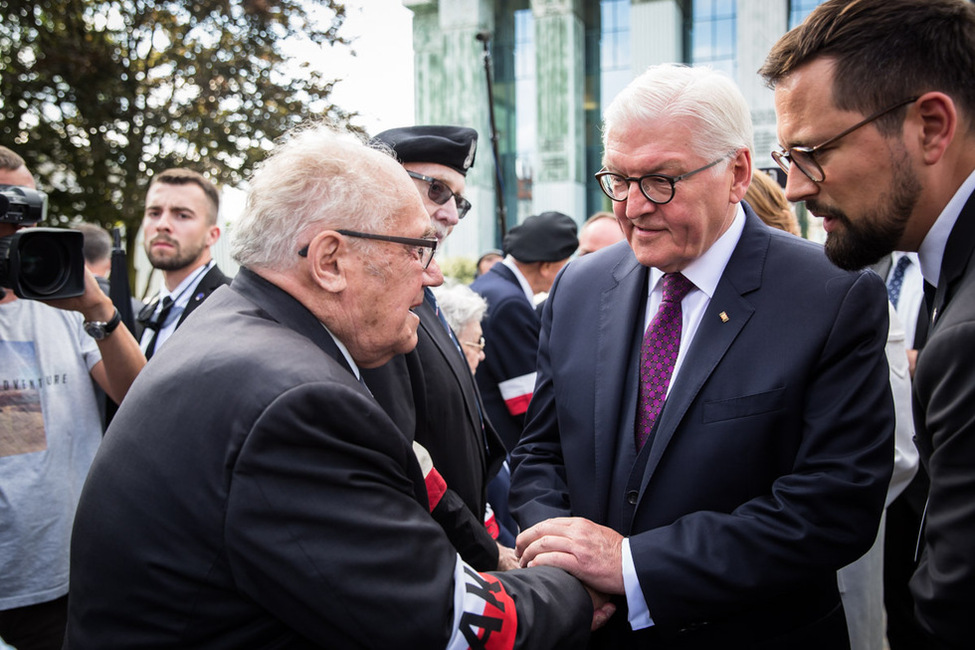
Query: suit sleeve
point(538, 479)
point(944, 585)
point(512, 342)
point(324, 529)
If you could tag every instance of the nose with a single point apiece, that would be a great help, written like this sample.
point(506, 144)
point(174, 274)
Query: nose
point(432, 275)
point(636, 203)
point(447, 213)
point(798, 187)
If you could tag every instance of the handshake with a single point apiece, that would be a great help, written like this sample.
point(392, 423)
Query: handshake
point(590, 552)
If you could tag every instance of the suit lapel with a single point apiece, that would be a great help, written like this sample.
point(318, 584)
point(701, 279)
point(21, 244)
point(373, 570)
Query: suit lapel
point(210, 282)
point(958, 253)
point(619, 308)
point(715, 334)
point(444, 344)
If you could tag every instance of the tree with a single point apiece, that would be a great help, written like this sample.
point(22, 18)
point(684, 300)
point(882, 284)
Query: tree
point(98, 95)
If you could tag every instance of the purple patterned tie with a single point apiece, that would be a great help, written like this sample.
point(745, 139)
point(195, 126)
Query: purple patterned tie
point(659, 353)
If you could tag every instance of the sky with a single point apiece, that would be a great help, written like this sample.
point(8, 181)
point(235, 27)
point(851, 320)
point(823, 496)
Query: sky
point(377, 82)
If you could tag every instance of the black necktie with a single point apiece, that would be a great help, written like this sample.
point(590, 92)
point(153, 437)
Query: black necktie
point(157, 323)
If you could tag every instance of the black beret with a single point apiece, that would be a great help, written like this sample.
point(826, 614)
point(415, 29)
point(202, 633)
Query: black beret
point(453, 146)
point(546, 237)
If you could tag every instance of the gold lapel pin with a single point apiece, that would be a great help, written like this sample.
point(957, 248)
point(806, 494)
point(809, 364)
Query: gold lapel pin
point(724, 317)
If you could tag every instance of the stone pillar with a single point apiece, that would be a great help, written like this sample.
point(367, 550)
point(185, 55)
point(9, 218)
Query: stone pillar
point(451, 88)
point(656, 34)
point(559, 182)
point(765, 21)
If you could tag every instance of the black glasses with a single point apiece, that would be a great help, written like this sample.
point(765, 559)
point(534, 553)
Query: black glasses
point(658, 188)
point(439, 193)
point(479, 344)
point(423, 249)
point(805, 157)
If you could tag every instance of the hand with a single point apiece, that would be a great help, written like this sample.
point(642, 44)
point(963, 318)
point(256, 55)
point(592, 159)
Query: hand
point(93, 304)
point(911, 361)
point(590, 552)
point(603, 609)
point(507, 558)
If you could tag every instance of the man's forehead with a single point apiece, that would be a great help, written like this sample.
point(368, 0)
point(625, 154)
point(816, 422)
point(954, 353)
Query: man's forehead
point(182, 195)
point(451, 177)
point(19, 176)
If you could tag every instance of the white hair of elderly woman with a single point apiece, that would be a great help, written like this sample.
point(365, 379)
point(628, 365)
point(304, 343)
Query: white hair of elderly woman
point(460, 304)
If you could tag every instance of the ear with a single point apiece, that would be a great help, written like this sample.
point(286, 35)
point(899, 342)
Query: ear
point(741, 169)
point(938, 120)
point(213, 234)
point(328, 260)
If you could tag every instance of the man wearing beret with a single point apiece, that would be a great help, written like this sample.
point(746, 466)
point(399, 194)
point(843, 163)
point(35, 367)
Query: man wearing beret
point(535, 252)
point(430, 392)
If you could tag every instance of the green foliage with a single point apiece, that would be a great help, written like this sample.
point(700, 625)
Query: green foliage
point(98, 95)
point(459, 268)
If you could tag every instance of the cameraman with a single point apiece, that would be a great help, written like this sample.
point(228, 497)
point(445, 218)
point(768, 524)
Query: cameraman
point(49, 431)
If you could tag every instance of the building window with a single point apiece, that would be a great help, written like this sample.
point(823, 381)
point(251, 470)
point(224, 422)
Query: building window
point(713, 35)
point(799, 9)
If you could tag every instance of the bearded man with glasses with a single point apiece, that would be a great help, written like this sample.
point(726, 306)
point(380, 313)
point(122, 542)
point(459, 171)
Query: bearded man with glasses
point(902, 177)
point(711, 433)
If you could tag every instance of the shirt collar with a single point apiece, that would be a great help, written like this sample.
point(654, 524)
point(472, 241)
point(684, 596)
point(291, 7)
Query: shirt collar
point(522, 280)
point(932, 249)
point(705, 272)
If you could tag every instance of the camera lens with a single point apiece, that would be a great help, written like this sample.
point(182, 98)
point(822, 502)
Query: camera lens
point(44, 265)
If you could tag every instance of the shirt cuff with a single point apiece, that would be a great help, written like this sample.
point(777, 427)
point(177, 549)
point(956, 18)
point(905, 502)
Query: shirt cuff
point(638, 612)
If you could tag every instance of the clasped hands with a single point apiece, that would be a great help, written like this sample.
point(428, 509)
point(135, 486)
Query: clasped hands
point(590, 552)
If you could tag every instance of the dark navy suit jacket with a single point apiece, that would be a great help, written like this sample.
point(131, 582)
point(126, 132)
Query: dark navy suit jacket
point(510, 328)
point(771, 457)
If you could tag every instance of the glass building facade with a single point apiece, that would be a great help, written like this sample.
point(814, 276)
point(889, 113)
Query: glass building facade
point(554, 65)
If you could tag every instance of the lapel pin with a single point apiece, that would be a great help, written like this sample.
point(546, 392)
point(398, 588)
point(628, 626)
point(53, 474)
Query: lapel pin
point(724, 317)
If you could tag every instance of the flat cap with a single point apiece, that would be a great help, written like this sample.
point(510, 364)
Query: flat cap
point(452, 146)
point(545, 237)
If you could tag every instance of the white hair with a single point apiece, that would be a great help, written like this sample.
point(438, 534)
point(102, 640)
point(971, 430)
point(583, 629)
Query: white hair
point(668, 91)
point(460, 305)
point(319, 178)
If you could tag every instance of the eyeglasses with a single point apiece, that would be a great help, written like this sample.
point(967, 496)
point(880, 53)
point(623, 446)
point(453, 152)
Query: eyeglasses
point(439, 193)
point(479, 344)
point(805, 157)
point(658, 188)
point(423, 249)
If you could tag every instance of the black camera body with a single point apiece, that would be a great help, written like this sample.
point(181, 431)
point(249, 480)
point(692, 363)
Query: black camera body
point(38, 263)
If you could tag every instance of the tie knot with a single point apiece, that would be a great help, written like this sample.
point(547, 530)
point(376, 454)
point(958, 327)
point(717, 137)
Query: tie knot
point(676, 286)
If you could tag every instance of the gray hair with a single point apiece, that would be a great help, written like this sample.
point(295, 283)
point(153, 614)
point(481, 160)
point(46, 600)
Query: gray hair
point(98, 243)
point(671, 91)
point(460, 305)
point(319, 179)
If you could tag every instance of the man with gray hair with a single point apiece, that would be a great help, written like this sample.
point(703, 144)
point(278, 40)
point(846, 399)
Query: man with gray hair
point(287, 510)
point(711, 433)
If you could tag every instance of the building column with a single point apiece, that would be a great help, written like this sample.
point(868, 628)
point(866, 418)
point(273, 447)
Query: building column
point(656, 33)
point(451, 88)
point(765, 21)
point(559, 182)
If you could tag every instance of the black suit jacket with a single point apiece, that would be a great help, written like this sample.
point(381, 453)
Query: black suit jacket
point(944, 421)
point(251, 493)
point(511, 340)
point(771, 457)
point(210, 282)
point(431, 394)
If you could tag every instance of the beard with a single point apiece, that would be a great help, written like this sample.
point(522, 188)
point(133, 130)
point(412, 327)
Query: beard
point(863, 241)
point(178, 258)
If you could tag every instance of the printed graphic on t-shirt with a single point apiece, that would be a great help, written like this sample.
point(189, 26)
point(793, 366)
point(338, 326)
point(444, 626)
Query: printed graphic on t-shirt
point(21, 381)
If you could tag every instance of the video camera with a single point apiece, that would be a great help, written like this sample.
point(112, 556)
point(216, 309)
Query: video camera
point(38, 263)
